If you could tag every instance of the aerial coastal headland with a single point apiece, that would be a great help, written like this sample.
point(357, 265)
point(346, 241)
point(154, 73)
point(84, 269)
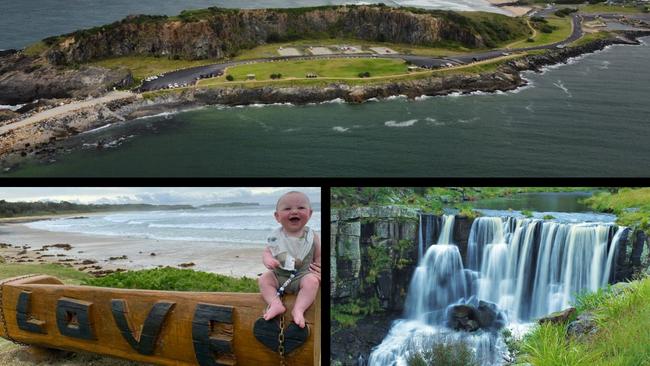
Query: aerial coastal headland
point(68, 82)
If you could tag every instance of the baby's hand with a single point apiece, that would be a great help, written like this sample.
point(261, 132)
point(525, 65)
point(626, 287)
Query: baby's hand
point(315, 269)
point(271, 263)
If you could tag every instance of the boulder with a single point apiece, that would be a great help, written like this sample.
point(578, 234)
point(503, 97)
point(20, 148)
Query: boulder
point(470, 318)
point(558, 317)
point(584, 325)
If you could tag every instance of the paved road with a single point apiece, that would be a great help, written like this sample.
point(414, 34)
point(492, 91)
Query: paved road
point(189, 76)
point(65, 109)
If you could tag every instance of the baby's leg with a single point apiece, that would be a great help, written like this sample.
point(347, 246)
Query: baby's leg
point(268, 287)
point(308, 289)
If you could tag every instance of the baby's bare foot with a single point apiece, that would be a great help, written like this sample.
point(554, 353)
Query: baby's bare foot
point(298, 318)
point(274, 310)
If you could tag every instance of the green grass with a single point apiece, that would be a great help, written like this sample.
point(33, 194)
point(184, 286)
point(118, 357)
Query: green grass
point(333, 68)
point(68, 275)
point(602, 8)
point(143, 66)
point(174, 279)
point(36, 49)
point(622, 339)
point(561, 32)
point(631, 205)
point(590, 37)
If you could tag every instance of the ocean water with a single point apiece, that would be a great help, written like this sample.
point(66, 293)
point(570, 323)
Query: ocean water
point(202, 227)
point(27, 21)
point(590, 117)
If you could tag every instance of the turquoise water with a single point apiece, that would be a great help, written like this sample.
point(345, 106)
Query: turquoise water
point(588, 118)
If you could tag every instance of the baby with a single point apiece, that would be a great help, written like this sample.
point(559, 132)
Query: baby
point(292, 247)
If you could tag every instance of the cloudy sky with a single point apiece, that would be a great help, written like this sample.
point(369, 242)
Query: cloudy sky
point(153, 195)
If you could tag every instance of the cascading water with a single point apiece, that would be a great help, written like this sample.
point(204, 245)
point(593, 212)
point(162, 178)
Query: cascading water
point(527, 267)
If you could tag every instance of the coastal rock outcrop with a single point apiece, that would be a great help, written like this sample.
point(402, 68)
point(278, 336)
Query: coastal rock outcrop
point(218, 33)
point(24, 79)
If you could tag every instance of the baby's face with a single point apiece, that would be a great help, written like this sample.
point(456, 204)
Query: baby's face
point(293, 213)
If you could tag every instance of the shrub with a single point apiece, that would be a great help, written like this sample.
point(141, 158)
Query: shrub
point(365, 74)
point(564, 12)
point(549, 217)
point(230, 77)
point(546, 29)
point(527, 213)
point(174, 279)
point(530, 40)
point(451, 354)
point(276, 76)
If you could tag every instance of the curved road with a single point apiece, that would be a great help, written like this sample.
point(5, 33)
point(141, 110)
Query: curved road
point(191, 75)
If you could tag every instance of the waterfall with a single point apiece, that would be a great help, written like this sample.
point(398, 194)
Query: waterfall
point(533, 267)
point(527, 267)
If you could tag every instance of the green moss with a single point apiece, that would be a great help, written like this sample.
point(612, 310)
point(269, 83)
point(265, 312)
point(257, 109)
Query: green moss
point(36, 49)
point(527, 213)
point(631, 206)
point(549, 217)
point(174, 279)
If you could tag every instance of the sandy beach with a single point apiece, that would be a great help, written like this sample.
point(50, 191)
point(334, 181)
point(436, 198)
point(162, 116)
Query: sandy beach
point(514, 10)
point(25, 246)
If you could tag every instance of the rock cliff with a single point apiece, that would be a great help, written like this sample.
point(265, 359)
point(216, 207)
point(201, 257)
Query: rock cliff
point(24, 79)
point(218, 33)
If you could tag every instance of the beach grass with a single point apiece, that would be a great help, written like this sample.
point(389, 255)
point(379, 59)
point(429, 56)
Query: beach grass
point(69, 276)
point(562, 31)
point(174, 279)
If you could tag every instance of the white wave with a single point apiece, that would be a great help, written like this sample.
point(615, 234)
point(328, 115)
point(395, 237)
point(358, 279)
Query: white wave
point(529, 107)
point(340, 129)
point(423, 97)
point(292, 130)
point(408, 123)
point(334, 101)
point(434, 122)
point(12, 107)
point(470, 120)
point(166, 115)
point(563, 88)
point(97, 129)
point(213, 226)
point(604, 65)
point(393, 97)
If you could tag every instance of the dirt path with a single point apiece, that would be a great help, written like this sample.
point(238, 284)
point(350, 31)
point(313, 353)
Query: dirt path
point(67, 108)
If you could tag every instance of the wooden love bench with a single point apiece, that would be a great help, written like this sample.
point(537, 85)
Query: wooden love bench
point(158, 327)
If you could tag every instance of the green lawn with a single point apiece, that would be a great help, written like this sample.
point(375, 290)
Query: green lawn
point(143, 66)
point(589, 37)
point(562, 32)
point(67, 275)
point(602, 8)
point(333, 68)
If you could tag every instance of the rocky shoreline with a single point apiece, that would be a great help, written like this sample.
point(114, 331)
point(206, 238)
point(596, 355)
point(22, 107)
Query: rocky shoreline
point(39, 140)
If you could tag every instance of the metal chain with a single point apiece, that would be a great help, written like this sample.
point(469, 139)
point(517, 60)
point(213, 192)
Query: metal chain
point(281, 341)
point(3, 320)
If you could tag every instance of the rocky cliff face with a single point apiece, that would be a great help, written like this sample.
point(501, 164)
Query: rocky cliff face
point(220, 33)
point(23, 79)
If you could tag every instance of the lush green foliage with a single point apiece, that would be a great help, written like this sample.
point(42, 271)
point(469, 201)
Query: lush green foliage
point(631, 206)
point(14, 209)
point(66, 274)
point(565, 11)
point(348, 313)
point(174, 279)
point(444, 354)
point(623, 319)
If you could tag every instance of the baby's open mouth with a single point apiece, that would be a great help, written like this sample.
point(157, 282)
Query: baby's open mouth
point(294, 219)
